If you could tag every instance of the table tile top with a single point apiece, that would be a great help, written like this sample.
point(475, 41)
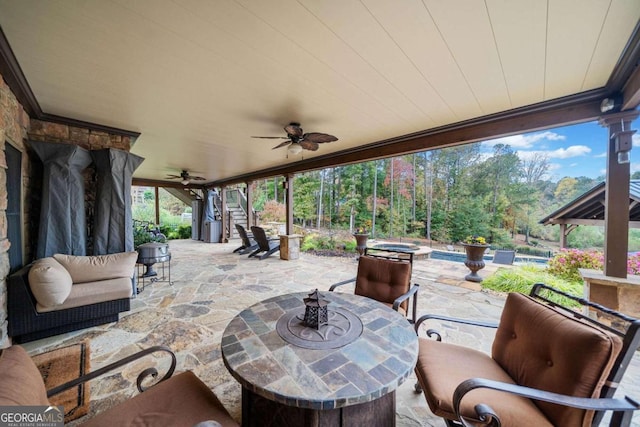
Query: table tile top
point(372, 365)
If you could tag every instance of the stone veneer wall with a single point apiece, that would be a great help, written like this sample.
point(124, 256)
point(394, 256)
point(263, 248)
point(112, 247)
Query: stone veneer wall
point(16, 127)
point(87, 139)
point(14, 123)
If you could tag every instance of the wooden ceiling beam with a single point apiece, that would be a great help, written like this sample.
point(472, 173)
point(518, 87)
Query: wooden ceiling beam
point(569, 110)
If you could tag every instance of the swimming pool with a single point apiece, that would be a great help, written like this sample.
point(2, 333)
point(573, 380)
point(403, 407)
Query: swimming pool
point(461, 256)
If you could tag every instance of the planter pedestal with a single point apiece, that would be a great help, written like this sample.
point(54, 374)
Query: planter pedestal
point(474, 261)
point(361, 243)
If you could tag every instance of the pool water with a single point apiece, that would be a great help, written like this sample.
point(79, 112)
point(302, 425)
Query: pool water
point(460, 257)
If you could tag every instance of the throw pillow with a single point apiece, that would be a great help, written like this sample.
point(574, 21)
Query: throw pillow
point(98, 267)
point(50, 282)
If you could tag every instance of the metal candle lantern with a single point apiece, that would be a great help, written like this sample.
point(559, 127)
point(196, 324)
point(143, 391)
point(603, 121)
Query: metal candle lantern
point(315, 312)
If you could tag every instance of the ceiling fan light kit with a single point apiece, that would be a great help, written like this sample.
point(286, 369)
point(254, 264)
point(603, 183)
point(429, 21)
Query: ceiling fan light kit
point(186, 178)
point(297, 140)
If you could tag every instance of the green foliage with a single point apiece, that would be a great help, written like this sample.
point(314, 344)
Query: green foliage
point(500, 238)
point(315, 241)
point(565, 265)
point(521, 279)
point(184, 231)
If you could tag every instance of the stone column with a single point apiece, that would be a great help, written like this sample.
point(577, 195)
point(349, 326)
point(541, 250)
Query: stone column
point(113, 223)
point(63, 225)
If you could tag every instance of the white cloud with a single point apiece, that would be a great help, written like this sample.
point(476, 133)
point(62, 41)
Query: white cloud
point(604, 154)
point(573, 165)
point(635, 139)
point(526, 141)
point(560, 153)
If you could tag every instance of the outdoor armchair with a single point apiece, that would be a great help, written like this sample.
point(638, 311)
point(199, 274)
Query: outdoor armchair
point(173, 400)
point(549, 366)
point(386, 279)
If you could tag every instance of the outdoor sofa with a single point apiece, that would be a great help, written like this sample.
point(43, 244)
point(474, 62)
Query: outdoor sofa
point(65, 293)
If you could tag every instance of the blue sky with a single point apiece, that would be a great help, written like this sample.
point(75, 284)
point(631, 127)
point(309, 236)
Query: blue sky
point(578, 150)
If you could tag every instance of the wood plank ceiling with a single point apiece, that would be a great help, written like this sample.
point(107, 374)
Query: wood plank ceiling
point(198, 78)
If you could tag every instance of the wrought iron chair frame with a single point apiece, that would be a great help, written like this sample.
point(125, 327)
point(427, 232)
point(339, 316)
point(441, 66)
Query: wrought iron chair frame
point(622, 409)
point(146, 373)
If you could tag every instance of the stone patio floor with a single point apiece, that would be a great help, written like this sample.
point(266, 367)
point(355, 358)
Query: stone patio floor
point(211, 285)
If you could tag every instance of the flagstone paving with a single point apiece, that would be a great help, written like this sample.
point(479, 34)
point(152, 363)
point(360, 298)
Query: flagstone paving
point(211, 285)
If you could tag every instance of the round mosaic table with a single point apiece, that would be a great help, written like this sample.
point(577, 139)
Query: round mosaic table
point(350, 382)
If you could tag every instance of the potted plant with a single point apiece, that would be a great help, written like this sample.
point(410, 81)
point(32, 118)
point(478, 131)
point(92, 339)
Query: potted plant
point(362, 235)
point(475, 247)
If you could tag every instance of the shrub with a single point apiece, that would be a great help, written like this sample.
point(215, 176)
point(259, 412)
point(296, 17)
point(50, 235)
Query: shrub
point(184, 232)
point(565, 265)
point(521, 279)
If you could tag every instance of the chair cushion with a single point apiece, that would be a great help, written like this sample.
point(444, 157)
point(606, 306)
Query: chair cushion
point(182, 400)
point(545, 348)
point(92, 293)
point(98, 267)
point(383, 279)
point(50, 282)
point(441, 367)
point(20, 381)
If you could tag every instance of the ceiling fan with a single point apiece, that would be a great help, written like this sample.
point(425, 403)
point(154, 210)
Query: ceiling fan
point(186, 178)
point(298, 140)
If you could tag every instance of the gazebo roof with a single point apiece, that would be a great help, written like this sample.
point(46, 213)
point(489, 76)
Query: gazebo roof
point(588, 208)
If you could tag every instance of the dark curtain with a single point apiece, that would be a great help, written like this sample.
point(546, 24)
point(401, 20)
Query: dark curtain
point(113, 221)
point(63, 226)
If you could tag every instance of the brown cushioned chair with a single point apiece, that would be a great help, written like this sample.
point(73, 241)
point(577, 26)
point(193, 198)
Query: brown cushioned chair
point(549, 366)
point(385, 279)
point(182, 400)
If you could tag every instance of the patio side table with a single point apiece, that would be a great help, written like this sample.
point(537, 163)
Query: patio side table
point(349, 382)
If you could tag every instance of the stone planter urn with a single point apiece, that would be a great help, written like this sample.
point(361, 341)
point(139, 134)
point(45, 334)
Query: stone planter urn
point(361, 242)
point(474, 261)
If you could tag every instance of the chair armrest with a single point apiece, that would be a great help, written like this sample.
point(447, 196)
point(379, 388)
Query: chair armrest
point(403, 297)
point(335, 285)
point(141, 377)
point(622, 408)
point(432, 332)
point(413, 291)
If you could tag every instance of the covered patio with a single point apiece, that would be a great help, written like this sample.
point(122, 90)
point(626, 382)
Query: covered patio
point(208, 280)
point(186, 86)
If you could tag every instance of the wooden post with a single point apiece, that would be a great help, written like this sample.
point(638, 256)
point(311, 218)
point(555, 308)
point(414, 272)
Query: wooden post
point(249, 206)
point(226, 231)
point(289, 204)
point(563, 236)
point(157, 206)
point(616, 217)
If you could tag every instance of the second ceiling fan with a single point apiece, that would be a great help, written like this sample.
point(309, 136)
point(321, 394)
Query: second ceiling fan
point(300, 140)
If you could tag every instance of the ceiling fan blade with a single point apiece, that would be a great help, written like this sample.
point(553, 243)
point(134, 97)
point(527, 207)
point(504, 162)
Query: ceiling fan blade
point(318, 137)
point(282, 144)
point(197, 178)
point(309, 145)
point(173, 176)
point(293, 129)
point(271, 137)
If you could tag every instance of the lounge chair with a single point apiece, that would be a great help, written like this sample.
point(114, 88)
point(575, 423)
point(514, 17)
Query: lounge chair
point(505, 257)
point(266, 246)
point(248, 243)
